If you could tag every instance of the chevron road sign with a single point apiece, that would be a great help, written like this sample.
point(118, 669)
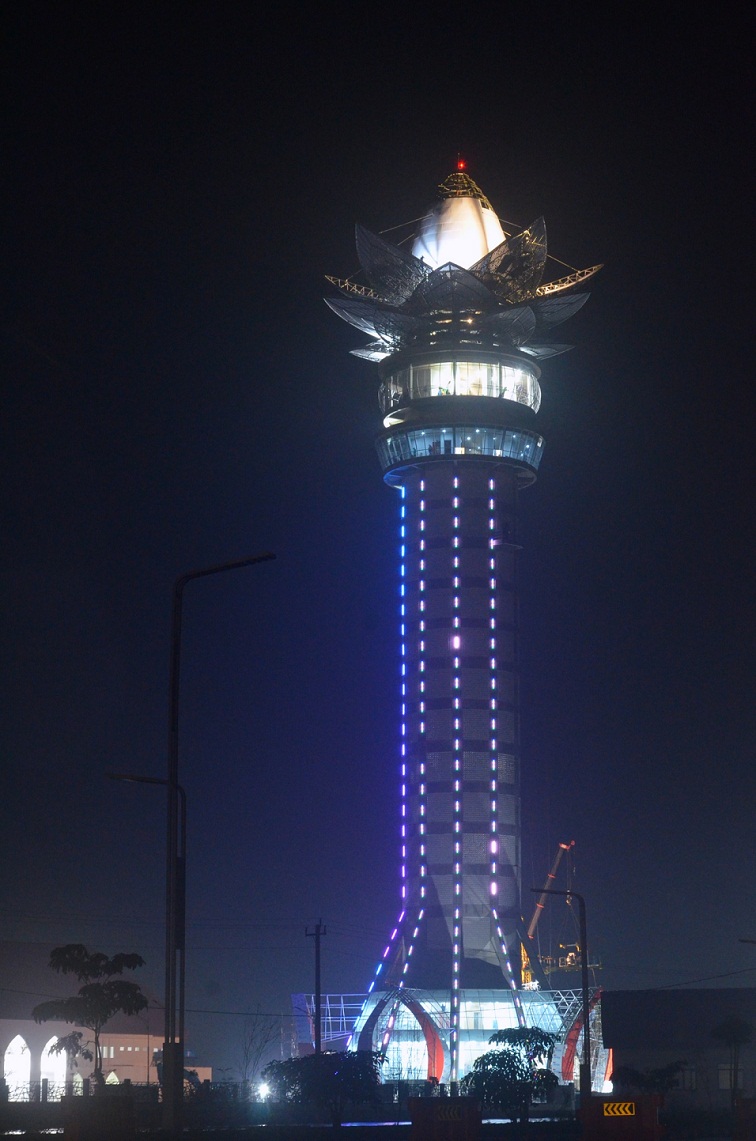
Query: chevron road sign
point(449, 1113)
point(619, 1109)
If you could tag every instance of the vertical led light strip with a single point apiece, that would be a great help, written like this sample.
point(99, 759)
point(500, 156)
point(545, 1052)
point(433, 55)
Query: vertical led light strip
point(421, 660)
point(393, 940)
point(457, 901)
point(403, 674)
point(494, 855)
point(494, 828)
point(419, 693)
point(393, 943)
point(409, 627)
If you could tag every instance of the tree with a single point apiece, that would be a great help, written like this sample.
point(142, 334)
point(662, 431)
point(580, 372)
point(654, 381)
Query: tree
point(258, 1033)
point(735, 1033)
point(330, 1081)
point(100, 997)
point(512, 1077)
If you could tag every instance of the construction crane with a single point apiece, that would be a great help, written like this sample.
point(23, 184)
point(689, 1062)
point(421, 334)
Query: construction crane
point(570, 958)
point(549, 884)
point(534, 969)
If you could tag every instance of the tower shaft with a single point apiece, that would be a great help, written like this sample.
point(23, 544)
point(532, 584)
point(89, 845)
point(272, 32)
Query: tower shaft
point(460, 747)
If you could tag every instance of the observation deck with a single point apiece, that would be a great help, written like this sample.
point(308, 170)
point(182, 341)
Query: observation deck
point(460, 406)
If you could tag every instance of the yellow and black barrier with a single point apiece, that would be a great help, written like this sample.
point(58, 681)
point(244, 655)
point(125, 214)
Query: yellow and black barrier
point(617, 1119)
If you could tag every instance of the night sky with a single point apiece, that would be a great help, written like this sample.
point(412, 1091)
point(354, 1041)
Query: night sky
point(176, 394)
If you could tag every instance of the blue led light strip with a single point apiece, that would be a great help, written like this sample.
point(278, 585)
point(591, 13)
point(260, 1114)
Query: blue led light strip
point(420, 839)
point(385, 957)
point(392, 945)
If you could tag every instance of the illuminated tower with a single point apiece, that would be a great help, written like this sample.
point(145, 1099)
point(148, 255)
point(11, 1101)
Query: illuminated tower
point(459, 325)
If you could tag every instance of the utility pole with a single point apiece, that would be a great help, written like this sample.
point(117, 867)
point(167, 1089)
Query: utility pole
point(316, 934)
point(585, 1065)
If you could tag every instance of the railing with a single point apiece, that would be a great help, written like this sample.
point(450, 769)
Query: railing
point(45, 1090)
point(211, 1105)
point(41, 1091)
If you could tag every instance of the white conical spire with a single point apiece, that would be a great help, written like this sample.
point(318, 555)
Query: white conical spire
point(461, 228)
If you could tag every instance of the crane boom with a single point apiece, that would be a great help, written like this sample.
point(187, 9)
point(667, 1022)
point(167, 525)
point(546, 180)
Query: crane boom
point(549, 882)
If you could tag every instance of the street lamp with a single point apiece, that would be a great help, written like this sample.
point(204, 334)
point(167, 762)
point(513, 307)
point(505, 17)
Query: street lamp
point(132, 778)
point(175, 870)
point(585, 1065)
point(175, 929)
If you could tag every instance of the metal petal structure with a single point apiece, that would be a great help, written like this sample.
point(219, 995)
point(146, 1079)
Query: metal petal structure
point(553, 310)
point(497, 302)
point(543, 352)
point(515, 268)
point(361, 314)
point(451, 289)
point(516, 325)
point(393, 274)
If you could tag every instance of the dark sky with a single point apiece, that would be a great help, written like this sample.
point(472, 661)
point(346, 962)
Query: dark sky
point(176, 394)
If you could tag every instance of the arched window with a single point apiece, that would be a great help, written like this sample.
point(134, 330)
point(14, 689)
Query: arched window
point(18, 1069)
point(53, 1067)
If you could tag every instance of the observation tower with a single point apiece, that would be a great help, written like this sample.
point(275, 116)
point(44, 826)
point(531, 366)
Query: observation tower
point(459, 326)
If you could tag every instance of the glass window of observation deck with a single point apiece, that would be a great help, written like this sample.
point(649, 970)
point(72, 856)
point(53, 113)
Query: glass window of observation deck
point(462, 378)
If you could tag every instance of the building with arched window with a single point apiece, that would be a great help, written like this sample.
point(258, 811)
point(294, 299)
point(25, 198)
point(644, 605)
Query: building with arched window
point(128, 1044)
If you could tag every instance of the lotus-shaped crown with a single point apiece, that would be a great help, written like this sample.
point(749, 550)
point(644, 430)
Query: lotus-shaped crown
point(497, 302)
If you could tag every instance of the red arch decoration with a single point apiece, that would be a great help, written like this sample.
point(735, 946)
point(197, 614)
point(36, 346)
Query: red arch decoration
point(433, 1041)
point(571, 1041)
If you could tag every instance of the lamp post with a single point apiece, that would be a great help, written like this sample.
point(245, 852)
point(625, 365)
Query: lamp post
point(132, 778)
point(175, 923)
point(585, 1065)
point(175, 868)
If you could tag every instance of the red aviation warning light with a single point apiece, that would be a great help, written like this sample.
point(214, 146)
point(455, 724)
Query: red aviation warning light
point(461, 164)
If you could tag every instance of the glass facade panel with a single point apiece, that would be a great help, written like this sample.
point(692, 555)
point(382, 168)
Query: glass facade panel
point(421, 381)
point(442, 378)
point(460, 378)
point(420, 443)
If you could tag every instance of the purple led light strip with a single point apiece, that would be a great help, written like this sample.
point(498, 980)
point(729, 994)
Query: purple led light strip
point(454, 1020)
